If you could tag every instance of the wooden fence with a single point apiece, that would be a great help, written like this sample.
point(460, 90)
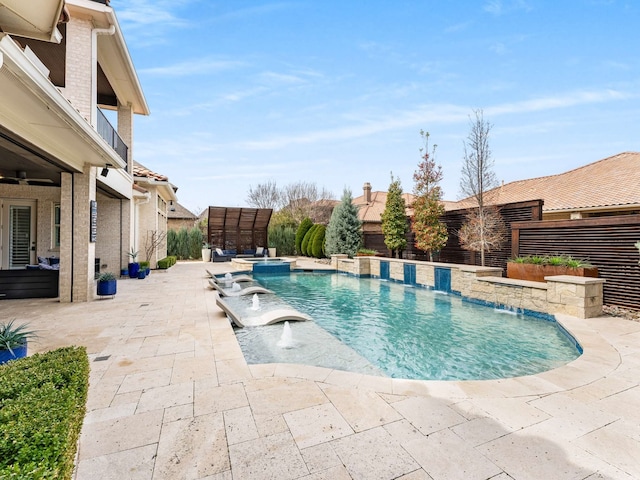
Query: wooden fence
point(606, 242)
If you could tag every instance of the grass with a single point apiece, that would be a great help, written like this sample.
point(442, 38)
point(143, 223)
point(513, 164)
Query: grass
point(555, 260)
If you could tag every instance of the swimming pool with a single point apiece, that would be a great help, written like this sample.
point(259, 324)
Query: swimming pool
point(415, 333)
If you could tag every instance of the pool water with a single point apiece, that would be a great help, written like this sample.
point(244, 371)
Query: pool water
point(416, 333)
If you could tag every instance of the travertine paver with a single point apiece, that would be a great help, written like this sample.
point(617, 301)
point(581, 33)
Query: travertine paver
point(171, 397)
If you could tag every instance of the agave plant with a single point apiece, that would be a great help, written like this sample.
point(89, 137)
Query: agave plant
point(14, 336)
point(106, 277)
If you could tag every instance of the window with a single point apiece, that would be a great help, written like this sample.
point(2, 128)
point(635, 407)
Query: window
point(55, 233)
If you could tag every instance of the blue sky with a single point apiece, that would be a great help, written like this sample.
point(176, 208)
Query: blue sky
point(336, 92)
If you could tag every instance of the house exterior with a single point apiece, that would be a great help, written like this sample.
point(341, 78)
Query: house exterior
point(153, 195)
point(371, 205)
point(603, 188)
point(180, 216)
point(67, 175)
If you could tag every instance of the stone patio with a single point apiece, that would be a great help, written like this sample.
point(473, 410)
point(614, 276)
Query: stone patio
point(171, 397)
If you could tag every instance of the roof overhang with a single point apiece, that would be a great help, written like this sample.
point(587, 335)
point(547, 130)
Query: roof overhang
point(167, 189)
point(113, 54)
point(32, 18)
point(32, 108)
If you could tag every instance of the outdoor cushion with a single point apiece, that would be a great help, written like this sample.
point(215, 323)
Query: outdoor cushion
point(259, 250)
point(219, 252)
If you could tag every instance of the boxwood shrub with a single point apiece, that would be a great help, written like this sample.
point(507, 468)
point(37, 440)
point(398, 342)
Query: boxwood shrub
point(42, 406)
point(167, 262)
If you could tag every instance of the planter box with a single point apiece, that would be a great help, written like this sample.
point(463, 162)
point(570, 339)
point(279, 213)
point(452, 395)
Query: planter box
point(536, 273)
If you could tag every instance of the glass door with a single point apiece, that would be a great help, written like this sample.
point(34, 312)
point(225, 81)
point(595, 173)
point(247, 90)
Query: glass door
point(18, 234)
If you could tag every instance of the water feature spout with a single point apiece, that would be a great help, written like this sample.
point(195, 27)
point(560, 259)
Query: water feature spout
point(265, 257)
point(235, 287)
point(286, 340)
point(256, 302)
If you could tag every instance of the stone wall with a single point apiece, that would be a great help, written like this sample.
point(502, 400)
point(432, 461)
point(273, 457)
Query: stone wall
point(580, 297)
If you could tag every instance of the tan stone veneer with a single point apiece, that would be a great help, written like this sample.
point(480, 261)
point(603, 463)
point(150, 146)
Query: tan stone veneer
point(580, 297)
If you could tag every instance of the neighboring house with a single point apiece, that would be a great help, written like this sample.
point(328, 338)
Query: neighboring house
point(603, 188)
point(153, 196)
point(67, 174)
point(181, 217)
point(370, 207)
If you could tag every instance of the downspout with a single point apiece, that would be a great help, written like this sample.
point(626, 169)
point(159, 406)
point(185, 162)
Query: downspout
point(94, 70)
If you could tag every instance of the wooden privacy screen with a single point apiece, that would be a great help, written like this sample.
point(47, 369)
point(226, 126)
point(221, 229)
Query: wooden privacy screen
point(606, 242)
point(238, 229)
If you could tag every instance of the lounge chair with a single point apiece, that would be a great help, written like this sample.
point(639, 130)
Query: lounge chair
point(267, 318)
point(228, 292)
point(234, 278)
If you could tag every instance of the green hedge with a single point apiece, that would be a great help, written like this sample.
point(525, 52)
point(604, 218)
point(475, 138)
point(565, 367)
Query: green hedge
point(303, 228)
point(42, 406)
point(316, 244)
point(304, 248)
point(167, 262)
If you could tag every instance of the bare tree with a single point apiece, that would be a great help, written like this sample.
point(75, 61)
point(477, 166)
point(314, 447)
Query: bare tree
point(265, 195)
point(153, 242)
point(476, 179)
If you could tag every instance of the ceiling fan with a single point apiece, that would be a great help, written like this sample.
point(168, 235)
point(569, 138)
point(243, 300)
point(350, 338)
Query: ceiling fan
point(22, 179)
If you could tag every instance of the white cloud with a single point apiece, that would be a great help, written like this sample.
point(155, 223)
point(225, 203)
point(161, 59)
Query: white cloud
point(431, 114)
point(193, 67)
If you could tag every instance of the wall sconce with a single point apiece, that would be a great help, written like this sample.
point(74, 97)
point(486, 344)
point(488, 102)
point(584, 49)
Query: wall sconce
point(171, 207)
point(105, 170)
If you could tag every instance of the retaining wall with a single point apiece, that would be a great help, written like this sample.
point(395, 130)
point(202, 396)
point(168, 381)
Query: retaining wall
point(580, 297)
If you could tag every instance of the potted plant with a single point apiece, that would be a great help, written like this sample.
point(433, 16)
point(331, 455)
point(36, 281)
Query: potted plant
point(107, 284)
point(146, 266)
point(13, 341)
point(206, 252)
point(534, 267)
point(134, 267)
point(272, 250)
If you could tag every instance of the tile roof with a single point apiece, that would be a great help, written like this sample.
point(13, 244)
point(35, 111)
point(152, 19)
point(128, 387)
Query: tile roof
point(372, 211)
point(610, 182)
point(142, 171)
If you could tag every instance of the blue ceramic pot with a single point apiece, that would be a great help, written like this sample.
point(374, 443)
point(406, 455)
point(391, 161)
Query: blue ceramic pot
point(107, 287)
point(6, 355)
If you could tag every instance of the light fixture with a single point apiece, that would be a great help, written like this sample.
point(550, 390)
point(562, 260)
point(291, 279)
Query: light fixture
point(105, 170)
point(171, 207)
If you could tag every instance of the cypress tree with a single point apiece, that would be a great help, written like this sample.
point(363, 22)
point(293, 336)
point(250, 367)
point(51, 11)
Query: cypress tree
point(394, 219)
point(318, 242)
point(303, 228)
point(307, 239)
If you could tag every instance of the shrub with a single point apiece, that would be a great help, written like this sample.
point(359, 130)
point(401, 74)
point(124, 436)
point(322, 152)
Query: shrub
point(196, 239)
point(317, 242)
point(172, 242)
point(304, 227)
point(144, 265)
point(166, 262)
point(42, 406)
point(305, 241)
point(283, 238)
point(182, 245)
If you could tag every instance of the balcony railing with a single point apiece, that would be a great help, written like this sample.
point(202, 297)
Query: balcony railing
point(106, 131)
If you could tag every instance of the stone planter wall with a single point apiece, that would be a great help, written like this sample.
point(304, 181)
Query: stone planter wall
point(537, 273)
point(561, 294)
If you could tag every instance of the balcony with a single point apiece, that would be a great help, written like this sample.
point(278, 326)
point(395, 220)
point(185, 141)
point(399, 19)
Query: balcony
point(106, 131)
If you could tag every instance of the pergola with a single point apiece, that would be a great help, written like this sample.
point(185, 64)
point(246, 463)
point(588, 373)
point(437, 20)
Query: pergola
point(238, 228)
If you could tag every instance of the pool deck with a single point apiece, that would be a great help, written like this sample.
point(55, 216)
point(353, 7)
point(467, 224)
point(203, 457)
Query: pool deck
point(174, 399)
